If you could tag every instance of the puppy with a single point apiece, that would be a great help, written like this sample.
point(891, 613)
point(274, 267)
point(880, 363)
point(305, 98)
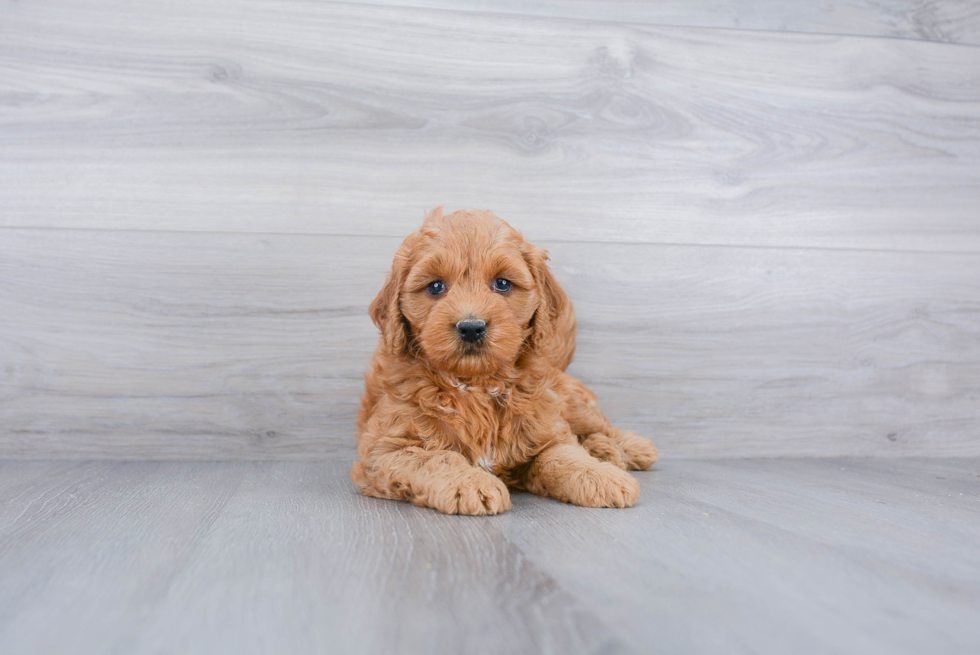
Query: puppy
point(466, 394)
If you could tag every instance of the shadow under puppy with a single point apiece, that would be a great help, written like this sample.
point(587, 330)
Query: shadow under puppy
point(466, 394)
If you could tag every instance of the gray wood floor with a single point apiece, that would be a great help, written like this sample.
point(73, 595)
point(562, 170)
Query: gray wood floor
point(736, 556)
point(767, 214)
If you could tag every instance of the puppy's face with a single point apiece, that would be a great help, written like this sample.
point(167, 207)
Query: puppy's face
point(466, 290)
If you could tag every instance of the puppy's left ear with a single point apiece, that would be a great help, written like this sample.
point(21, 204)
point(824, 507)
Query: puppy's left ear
point(385, 311)
point(554, 315)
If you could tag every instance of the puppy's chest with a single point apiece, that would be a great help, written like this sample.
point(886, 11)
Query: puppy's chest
point(475, 414)
point(489, 426)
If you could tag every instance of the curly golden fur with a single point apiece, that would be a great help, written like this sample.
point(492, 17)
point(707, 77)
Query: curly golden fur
point(466, 394)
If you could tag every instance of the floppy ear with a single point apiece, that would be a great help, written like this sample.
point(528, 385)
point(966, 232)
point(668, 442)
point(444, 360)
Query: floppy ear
point(553, 323)
point(385, 310)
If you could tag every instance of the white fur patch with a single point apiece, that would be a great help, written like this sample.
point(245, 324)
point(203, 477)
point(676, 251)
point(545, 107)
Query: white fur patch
point(486, 464)
point(497, 394)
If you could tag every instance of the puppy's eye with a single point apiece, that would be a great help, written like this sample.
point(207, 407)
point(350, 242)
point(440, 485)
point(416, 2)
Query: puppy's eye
point(436, 288)
point(502, 285)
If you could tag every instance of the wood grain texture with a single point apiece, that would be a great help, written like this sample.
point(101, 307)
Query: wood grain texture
point(751, 556)
point(191, 345)
point(772, 238)
point(950, 21)
point(778, 556)
point(315, 117)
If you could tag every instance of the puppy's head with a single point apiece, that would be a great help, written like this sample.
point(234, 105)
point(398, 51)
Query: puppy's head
point(469, 295)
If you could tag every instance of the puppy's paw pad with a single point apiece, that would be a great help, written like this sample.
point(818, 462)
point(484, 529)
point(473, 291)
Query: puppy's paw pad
point(639, 453)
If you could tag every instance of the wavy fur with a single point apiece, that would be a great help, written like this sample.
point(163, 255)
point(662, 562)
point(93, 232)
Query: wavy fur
point(449, 425)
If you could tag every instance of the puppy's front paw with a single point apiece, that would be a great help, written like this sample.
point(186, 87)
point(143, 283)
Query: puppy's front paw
point(604, 448)
point(603, 485)
point(639, 454)
point(474, 492)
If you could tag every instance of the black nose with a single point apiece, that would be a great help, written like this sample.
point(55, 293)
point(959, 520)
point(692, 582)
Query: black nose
point(471, 331)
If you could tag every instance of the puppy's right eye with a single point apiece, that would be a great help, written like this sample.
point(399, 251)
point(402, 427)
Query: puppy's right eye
point(436, 288)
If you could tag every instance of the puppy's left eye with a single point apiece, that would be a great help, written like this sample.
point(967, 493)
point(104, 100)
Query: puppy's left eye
point(502, 285)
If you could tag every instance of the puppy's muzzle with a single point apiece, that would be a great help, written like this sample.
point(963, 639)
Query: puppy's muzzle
point(471, 331)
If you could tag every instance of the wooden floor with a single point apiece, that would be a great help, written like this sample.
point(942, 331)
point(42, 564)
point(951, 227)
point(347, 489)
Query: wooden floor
point(720, 556)
point(767, 214)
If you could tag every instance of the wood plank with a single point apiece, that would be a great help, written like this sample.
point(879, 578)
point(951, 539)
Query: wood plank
point(329, 118)
point(363, 576)
point(852, 572)
point(948, 21)
point(119, 532)
point(202, 346)
point(245, 558)
point(751, 556)
point(214, 345)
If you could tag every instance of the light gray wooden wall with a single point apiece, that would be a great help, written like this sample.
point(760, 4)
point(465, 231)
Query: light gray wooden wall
point(771, 233)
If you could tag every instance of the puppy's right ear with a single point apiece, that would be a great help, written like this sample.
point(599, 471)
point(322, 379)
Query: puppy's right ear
point(385, 310)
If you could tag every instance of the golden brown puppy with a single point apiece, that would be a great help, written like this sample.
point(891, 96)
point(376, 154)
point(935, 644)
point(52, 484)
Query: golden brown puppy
point(466, 394)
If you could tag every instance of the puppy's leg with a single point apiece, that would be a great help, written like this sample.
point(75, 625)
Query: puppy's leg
point(627, 450)
point(602, 439)
point(566, 471)
point(440, 479)
point(604, 448)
